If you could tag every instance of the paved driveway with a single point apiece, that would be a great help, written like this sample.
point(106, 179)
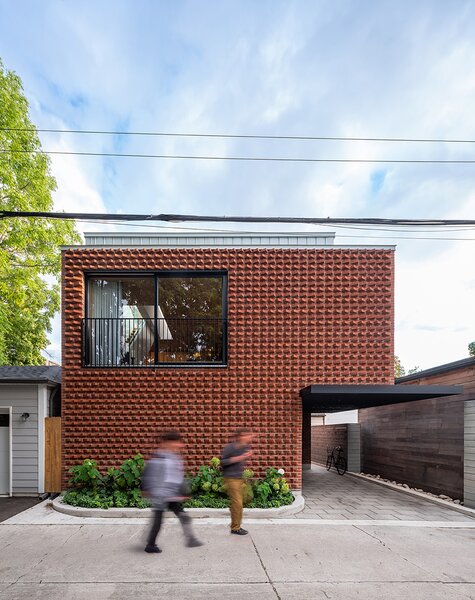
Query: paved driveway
point(13, 506)
point(331, 496)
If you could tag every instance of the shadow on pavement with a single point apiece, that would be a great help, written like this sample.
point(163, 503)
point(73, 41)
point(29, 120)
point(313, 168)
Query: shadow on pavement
point(12, 506)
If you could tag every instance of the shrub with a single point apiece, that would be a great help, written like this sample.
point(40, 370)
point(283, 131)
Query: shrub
point(121, 487)
point(127, 476)
point(86, 475)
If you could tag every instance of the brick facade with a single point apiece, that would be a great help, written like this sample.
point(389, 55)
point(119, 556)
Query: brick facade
point(296, 317)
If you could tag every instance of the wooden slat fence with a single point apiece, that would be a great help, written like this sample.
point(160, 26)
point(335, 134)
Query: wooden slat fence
point(53, 454)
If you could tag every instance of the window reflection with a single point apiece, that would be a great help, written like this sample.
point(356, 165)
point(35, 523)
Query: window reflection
point(125, 327)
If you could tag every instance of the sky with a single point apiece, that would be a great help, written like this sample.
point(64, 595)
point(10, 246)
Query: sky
point(287, 68)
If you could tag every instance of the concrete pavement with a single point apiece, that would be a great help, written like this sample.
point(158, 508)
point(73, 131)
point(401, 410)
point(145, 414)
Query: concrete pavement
point(290, 561)
point(331, 496)
point(353, 540)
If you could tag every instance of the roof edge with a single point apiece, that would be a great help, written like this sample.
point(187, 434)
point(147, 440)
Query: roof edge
point(30, 381)
point(452, 366)
point(234, 247)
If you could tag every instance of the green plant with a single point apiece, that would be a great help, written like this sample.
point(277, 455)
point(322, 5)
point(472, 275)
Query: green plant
point(209, 480)
point(119, 487)
point(86, 475)
point(127, 476)
point(207, 501)
point(102, 499)
point(273, 487)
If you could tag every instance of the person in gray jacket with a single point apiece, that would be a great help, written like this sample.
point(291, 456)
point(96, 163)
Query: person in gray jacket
point(163, 482)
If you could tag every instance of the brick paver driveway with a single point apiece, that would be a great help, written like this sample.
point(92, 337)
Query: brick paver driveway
point(331, 496)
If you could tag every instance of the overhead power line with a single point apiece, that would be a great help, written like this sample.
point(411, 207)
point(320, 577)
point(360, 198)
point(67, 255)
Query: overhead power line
point(240, 232)
point(247, 136)
point(374, 228)
point(248, 158)
point(175, 218)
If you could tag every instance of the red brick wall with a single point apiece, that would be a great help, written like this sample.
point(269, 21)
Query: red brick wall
point(296, 317)
point(328, 436)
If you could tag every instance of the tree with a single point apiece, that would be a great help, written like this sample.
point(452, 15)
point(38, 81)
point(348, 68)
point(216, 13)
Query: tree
point(399, 370)
point(471, 349)
point(30, 256)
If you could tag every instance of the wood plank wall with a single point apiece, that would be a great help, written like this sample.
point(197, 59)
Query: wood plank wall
point(53, 454)
point(420, 443)
point(469, 455)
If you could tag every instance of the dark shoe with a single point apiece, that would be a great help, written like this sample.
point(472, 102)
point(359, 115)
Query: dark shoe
point(152, 549)
point(240, 531)
point(193, 543)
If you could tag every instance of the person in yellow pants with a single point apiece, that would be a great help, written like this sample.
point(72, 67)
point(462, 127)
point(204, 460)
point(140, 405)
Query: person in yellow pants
point(233, 462)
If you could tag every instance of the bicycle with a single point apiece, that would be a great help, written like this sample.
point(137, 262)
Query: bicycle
point(335, 458)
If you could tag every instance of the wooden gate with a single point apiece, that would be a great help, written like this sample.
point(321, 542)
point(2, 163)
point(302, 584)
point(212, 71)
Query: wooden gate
point(52, 454)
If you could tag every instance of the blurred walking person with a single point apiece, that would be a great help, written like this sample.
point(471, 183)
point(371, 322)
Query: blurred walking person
point(233, 462)
point(164, 483)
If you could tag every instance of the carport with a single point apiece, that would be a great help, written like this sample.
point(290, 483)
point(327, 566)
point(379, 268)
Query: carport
point(325, 398)
point(338, 398)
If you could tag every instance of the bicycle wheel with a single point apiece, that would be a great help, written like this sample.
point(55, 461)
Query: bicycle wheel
point(341, 465)
point(329, 462)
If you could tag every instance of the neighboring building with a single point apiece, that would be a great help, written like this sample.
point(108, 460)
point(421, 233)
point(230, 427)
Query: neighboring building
point(317, 420)
point(27, 396)
point(422, 443)
point(208, 333)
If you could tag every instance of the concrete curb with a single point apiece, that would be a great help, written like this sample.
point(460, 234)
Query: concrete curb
point(132, 513)
point(439, 501)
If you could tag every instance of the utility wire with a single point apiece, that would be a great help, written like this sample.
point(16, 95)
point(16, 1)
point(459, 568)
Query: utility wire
point(244, 232)
point(236, 232)
point(248, 158)
point(246, 136)
point(175, 218)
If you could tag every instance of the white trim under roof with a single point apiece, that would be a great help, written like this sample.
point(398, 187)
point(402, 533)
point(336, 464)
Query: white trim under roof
point(212, 240)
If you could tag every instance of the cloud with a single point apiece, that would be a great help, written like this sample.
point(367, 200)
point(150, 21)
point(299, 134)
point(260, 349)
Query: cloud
point(305, 68)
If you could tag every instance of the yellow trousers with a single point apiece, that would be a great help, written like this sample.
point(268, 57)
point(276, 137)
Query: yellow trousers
point(234, 487)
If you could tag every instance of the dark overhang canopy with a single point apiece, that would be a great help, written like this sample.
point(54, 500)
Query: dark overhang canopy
point(336, 398)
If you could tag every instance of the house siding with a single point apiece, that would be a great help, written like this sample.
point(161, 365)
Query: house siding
point(23, 398)
point(295, 317)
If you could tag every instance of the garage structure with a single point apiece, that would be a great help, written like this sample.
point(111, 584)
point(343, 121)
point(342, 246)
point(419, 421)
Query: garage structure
point(28, 396)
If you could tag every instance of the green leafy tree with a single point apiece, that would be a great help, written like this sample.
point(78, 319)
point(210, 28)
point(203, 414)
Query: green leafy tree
point(29, 248)
point(471, 349)
point(399, 370)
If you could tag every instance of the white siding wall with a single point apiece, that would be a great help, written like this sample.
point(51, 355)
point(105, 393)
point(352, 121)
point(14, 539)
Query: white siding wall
point(23, 398)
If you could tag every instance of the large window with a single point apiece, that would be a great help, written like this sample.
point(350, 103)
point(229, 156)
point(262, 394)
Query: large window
point(164, 318)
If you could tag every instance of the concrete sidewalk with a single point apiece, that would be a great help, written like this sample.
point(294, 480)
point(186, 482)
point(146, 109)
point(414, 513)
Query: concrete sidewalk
point(296, 560)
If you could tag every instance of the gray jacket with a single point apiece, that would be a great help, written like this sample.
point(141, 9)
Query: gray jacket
point(166, 476)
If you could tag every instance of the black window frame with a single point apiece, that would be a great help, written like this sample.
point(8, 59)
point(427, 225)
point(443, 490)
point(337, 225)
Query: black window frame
point(156, 275)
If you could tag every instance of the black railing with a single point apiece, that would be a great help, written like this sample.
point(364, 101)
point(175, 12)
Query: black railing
point(151, 342)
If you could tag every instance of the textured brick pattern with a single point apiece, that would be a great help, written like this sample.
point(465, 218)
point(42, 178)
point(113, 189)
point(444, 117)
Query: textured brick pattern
point(328, 436)
point(296, 317)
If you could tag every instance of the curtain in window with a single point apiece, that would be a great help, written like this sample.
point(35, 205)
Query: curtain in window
point(105, 297)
